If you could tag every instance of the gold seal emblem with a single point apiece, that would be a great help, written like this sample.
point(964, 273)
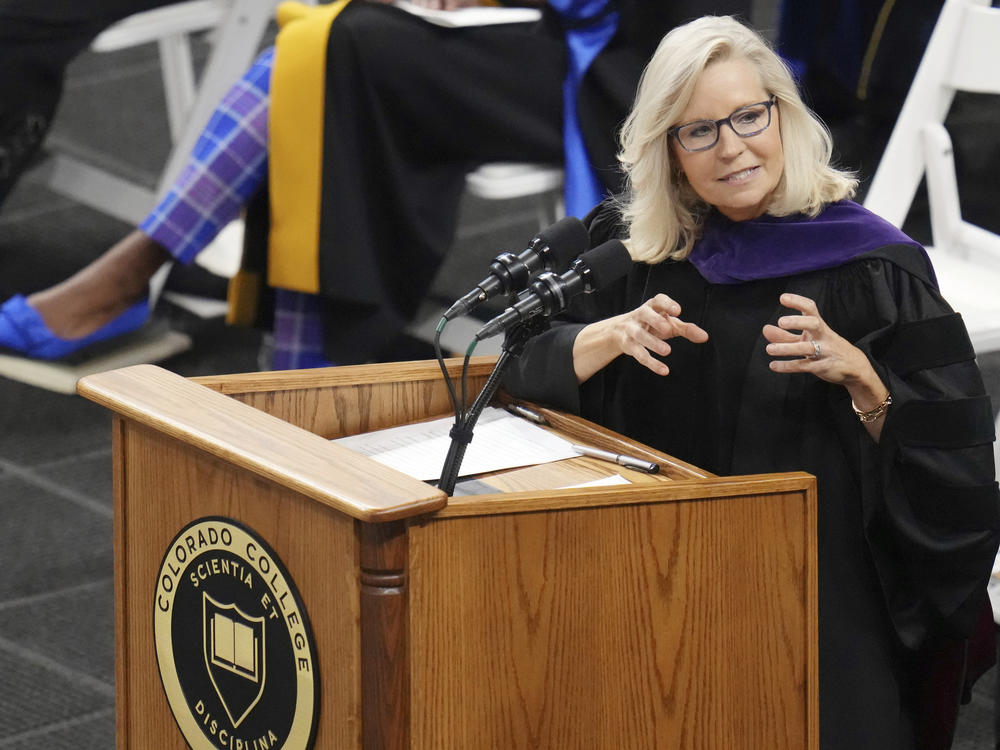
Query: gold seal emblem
point(233, 642)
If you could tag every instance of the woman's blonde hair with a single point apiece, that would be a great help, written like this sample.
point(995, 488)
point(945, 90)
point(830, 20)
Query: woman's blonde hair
point(661, 210)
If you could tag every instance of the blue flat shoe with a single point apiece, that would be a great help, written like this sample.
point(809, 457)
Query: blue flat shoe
point(23, 332)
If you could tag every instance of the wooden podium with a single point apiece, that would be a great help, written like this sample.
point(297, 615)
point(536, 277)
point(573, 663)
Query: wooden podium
point(678, 611)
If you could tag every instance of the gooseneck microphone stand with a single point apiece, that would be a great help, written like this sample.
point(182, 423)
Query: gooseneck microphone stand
point(515, 339)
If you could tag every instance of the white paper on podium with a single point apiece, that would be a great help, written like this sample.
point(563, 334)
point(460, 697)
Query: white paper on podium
point(500, 441)
point(610, 481)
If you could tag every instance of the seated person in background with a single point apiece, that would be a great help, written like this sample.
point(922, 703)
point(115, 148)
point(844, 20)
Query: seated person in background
point(409, 108)
point(770, 324)
point(38, 39)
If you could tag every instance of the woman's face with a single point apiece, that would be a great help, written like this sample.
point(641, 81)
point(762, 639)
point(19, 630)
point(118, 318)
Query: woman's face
point(737, 175)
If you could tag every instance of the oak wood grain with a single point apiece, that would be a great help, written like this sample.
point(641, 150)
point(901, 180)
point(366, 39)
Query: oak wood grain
point(385, 655)
point(588, 433)
point(261, 443)
point(684, 624)
point(679, 611)
point(552, 499)
point(165, 484)
point(559, 474)
point(338, 401)
point(123, 604)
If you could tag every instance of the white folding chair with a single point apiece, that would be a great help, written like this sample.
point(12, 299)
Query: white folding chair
point(237, 27)
point(963, 54)
point(509, 180)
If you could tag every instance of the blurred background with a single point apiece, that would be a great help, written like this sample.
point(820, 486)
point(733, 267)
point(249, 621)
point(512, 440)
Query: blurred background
point(56, 603)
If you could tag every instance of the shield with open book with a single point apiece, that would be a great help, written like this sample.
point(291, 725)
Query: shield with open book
point(234, 656)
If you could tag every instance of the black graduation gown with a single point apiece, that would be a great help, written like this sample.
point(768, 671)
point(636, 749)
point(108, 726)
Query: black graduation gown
point(907, 528)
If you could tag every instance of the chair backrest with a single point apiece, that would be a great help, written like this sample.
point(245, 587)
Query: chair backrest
point(169, 27)
point(507, 180)
point(153, 25)
point(236, 30)
point(237, 26)
point(963, 54)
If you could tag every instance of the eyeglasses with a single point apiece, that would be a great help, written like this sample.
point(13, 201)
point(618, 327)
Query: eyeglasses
point(701, 135)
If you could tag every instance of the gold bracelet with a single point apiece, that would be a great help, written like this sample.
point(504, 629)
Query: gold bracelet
point(878, 411)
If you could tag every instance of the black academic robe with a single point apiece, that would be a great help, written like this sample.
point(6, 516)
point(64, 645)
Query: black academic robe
point(907, 528)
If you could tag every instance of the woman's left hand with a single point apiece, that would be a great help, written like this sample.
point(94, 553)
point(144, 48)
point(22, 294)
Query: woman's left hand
point(817, 349)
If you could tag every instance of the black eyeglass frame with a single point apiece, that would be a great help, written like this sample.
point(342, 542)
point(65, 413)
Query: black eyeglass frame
point(768, 103)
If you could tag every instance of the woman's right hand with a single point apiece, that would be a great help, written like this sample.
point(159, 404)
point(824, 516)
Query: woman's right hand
point(639, 334)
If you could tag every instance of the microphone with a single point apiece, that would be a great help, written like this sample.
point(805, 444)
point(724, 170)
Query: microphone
point(549, 293)
point(551, 249)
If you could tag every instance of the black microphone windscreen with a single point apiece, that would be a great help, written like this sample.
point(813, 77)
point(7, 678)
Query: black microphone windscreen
point(607, 262)
point(566, 239)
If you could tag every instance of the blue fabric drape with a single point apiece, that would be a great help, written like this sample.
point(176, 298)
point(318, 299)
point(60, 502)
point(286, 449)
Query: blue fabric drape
point(590, 24)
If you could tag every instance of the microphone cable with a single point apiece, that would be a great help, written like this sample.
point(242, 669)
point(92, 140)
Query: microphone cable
point(457, 406)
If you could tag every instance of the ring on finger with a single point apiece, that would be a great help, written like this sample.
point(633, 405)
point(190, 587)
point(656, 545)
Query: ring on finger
point(817, 350)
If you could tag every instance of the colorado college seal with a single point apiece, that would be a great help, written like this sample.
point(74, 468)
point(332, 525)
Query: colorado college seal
point(233, 642)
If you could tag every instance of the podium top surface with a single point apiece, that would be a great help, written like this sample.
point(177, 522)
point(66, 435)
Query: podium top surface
point(279, 426)
point(261, 443)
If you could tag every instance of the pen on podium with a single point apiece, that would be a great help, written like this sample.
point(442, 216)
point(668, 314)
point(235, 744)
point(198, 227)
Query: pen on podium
point(526, 413)
point(629, 462)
